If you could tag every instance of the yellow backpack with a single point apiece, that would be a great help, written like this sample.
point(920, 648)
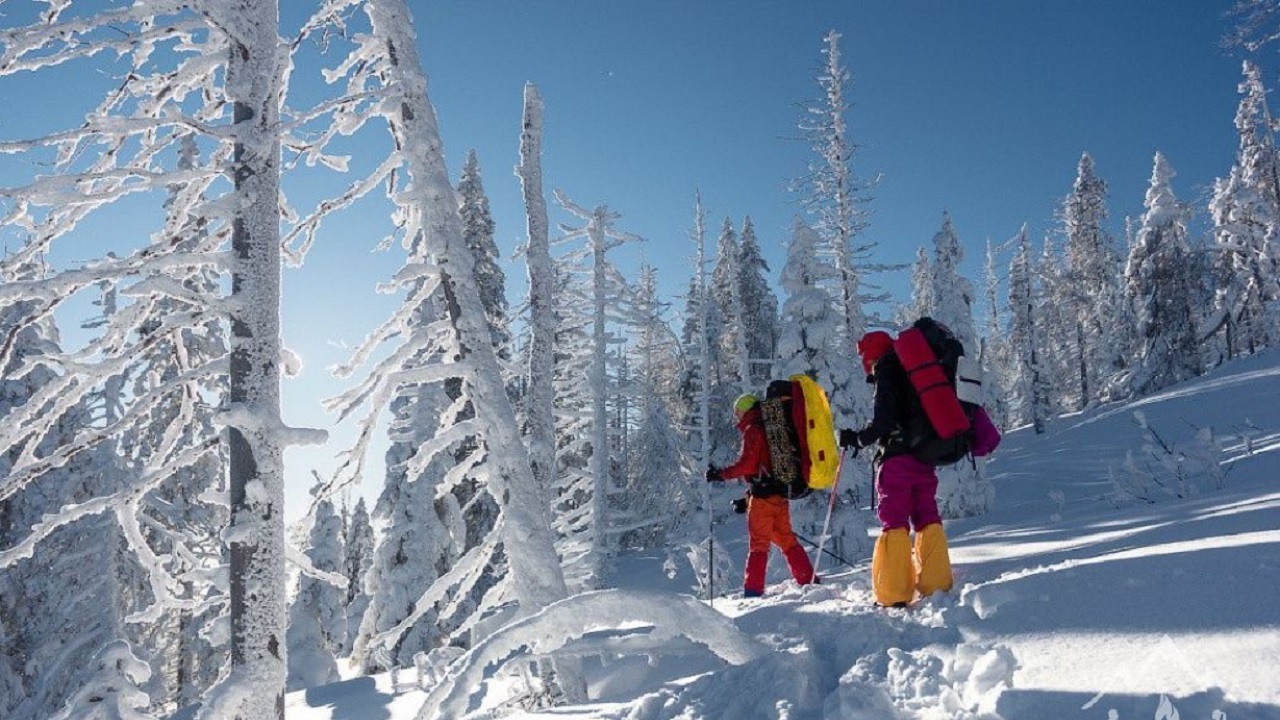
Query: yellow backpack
point(820, 457)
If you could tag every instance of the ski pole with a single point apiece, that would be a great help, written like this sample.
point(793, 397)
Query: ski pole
point(807, 541)
point(831, 505)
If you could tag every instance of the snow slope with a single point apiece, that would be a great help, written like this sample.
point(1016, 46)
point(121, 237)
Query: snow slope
point(1065, 606)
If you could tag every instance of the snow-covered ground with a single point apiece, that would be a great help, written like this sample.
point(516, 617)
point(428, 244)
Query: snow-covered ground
point(1065, 605)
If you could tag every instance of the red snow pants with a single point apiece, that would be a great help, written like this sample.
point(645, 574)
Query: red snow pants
point(769, 523)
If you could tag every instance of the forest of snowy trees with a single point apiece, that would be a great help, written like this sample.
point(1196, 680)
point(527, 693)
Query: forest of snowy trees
point(529, 441)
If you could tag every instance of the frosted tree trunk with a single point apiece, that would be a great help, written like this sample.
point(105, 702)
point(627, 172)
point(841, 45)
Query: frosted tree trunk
point(257, 469)
point(598, 380)
point(540, 401)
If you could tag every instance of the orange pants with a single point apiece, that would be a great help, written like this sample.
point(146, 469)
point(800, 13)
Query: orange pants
point(769, 523)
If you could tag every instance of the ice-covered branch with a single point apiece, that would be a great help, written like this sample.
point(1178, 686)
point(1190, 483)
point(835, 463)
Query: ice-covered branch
point(559, 625)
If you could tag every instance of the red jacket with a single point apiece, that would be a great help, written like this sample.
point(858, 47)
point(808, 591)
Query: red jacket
point(753, 459)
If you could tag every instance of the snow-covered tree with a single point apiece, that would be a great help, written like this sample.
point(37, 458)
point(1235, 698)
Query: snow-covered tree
point(1163, 281)
point(596, 292)
point(733, 375)
point(317, 622)
point(539, 401)
point(420, 529)
point(358, 547)
point(952, 291)
point(993, 352)
point(438, 345)
point(962, 488)
point(1091, 265)
point(1029, 388)
point(922, 296)
point(186, 70)
point(810, 329)
point(477, 230)
point(112, 688)
point(759, 305)
point(656, 495)
point(1055, 331)
point(1246, 217)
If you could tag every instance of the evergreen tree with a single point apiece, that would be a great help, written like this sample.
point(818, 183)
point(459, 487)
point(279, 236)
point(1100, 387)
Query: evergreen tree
point(1056, 332)
point(1092, 265)
point(733, 376)
point(1246, 217)
point(317, 622)
point(952, 292)
point(994, 349)
point(477, 233)
point(1163, 287)
point(358, 546)
point(655, 496)
point(923, 299)
point(759, 305)
point(963, 489)
point(838, 200)
point(1029, 388)
point(810, 328)
point(112, 689)
point(597, 292)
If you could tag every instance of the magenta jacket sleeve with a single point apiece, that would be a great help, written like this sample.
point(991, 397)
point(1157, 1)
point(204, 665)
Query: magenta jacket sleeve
point(986, 438)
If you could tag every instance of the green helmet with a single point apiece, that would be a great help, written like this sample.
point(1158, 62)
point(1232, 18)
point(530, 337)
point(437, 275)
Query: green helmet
point(745, 403)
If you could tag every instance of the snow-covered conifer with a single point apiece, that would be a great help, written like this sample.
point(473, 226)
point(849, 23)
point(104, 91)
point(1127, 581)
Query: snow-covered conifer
point(1029, 389)
point(733, 377)
point(1246, 217)
point(759, 305)
point(477, 230)
point(656, 488)
point(833, 193)
point(922, 296)
point(952, 291)
point(112, 687)
point(358, 546)
point(1164, 290)
point(438, 345)
point(1092, 266)
point(317, 623)
point(993, 352)
point(597, 291)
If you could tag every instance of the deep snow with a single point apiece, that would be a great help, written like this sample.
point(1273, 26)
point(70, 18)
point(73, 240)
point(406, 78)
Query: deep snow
point(1065, 606)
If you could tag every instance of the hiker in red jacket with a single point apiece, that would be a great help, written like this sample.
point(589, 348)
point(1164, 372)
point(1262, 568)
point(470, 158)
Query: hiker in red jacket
point(768, 511)
point(906, 488)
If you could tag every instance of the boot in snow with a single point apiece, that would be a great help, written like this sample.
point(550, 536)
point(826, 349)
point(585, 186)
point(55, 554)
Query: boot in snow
point(893, 575)
point(934, 560)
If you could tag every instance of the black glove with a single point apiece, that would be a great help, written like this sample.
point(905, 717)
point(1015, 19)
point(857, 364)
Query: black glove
point(849, 438)
point(740, 505)
point(713, 475)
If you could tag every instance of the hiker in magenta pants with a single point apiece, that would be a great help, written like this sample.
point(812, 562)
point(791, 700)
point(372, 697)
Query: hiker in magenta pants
point(906, 488)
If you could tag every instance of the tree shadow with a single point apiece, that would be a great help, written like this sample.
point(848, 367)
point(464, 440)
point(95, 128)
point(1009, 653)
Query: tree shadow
point(1018, 704)
point(356, 699)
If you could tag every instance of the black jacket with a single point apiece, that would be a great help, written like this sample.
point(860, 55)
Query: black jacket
point(893, 408)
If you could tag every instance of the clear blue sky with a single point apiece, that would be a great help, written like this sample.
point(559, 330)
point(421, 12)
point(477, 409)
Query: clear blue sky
point(979, 108)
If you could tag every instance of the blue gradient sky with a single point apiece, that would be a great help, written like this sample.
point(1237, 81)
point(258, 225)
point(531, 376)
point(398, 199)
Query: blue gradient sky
point(979, 108)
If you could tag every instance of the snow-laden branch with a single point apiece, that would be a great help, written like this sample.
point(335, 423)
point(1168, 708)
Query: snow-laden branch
point(560, 624)
point(95, 506)
point(308, 569)
point(463, 574)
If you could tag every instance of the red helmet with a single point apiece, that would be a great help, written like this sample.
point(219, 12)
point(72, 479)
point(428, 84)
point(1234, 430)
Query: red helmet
point(872, 347)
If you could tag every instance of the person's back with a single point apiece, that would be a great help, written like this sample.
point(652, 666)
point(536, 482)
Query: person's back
point(768, 510)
